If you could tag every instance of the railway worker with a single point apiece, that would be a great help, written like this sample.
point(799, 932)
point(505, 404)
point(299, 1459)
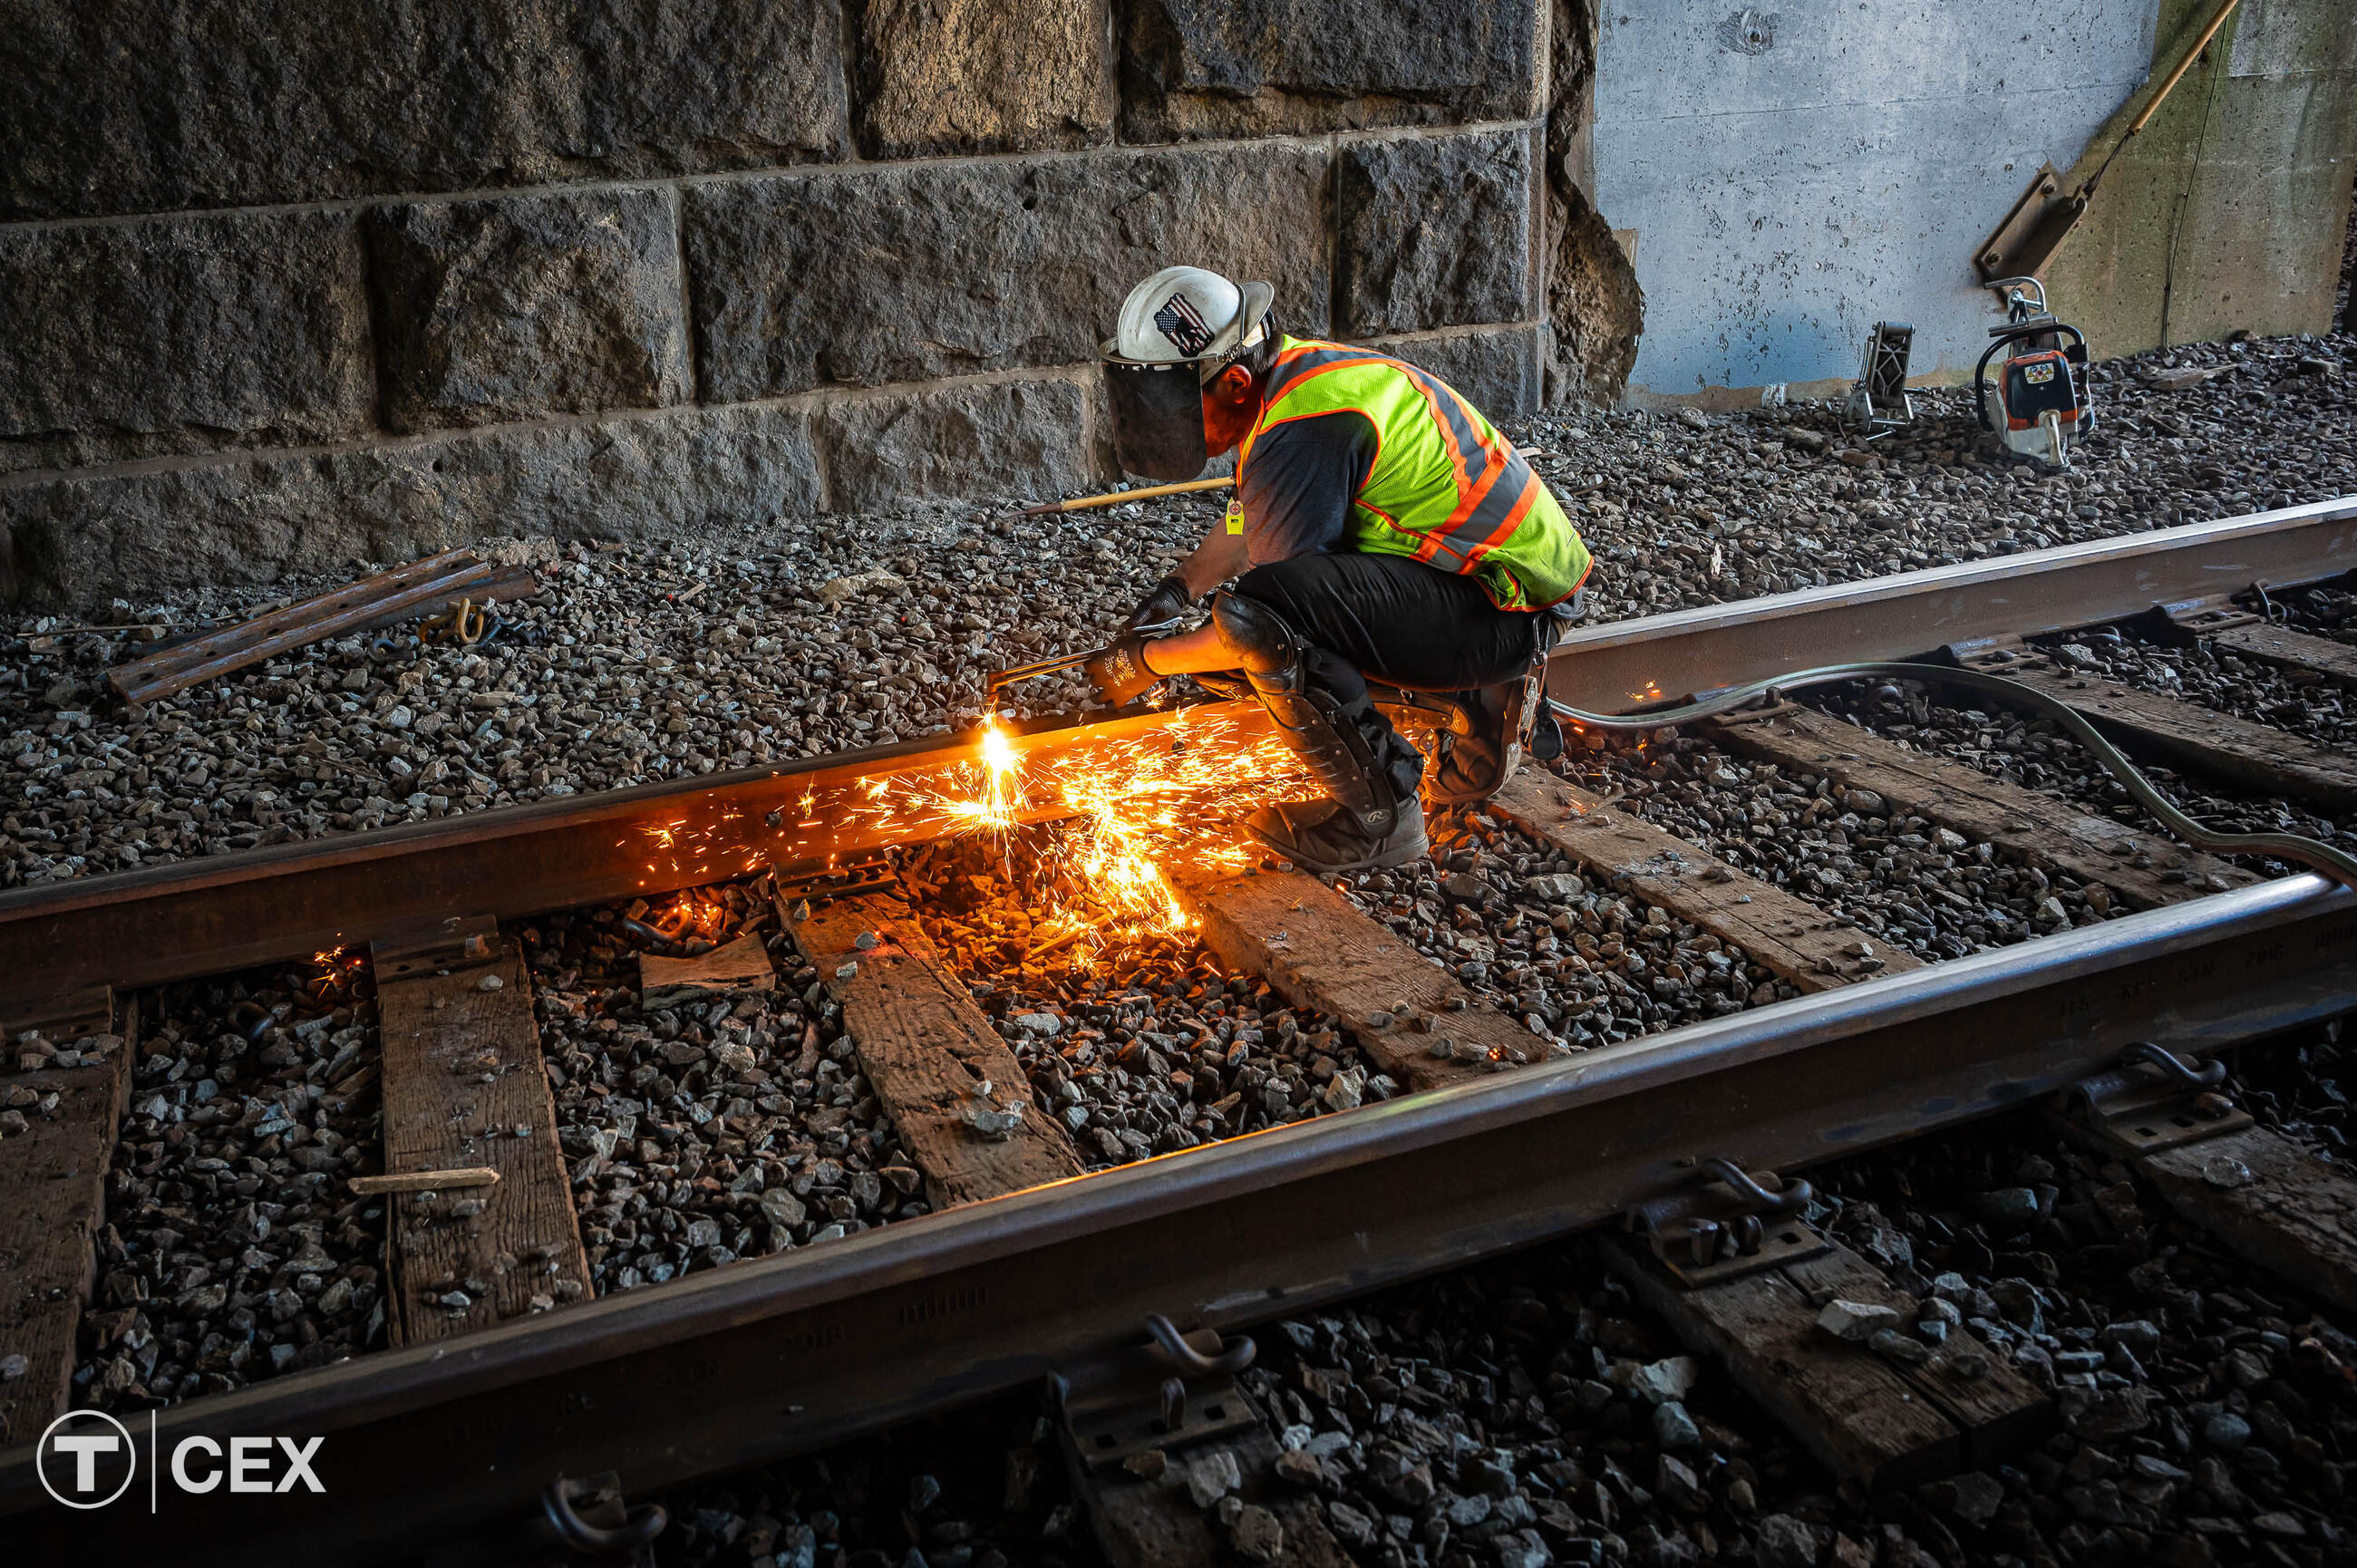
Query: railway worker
point(1382, 527)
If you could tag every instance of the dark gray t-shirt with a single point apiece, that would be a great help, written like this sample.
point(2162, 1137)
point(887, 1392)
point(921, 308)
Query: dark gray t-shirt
point(1298, 487)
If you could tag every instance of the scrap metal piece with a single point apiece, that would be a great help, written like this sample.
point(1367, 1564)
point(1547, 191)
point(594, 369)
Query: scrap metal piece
point(1879, 402)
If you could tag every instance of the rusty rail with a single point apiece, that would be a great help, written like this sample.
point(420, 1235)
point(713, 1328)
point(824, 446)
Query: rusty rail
point(435, 1442)
point(769, 1358)
point(206, 916)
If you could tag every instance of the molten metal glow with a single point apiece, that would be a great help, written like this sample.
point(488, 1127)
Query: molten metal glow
point(1137, 805)
point(689, 915)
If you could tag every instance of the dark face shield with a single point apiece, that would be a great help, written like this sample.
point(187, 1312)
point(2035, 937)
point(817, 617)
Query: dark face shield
point(1158, 418)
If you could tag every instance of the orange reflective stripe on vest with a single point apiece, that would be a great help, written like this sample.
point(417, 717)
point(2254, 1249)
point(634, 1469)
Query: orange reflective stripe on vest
point(1446, 488)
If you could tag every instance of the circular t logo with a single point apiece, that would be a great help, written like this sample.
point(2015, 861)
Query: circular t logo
point(79, 1457)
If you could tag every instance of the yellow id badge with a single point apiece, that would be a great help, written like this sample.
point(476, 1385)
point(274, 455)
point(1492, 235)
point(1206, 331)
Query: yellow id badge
point(1236, 516)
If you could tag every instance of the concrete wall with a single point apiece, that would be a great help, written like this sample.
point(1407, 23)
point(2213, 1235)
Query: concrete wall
point(1785, 179)
point(2227, 212)
point(292, 284)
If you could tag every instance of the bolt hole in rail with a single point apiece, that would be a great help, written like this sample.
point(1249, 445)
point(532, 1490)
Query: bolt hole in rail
point(461, 1438)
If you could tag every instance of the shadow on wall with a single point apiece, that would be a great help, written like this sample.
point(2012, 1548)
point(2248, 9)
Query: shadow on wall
point(1595, 308)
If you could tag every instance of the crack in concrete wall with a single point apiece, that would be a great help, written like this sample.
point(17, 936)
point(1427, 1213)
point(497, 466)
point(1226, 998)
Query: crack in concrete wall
point(1595, 308)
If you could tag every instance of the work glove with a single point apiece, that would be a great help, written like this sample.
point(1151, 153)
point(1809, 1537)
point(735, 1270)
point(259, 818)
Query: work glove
point(1164, 608)
point(1119, 673)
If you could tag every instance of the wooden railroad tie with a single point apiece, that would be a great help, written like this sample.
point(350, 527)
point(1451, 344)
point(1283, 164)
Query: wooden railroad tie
point(2272, 1199)
point(53, 1176)
point(466, 1097)
point(2143, 866)
point(2336, 661)
point(1318, 952)
point(1788, 936)
point(961, 1102)
point(2188, 736)
point(1867, 1417)
point(2278, 1203)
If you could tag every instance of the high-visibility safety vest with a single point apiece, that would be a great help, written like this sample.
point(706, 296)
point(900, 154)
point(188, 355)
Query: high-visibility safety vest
point(1445, 487)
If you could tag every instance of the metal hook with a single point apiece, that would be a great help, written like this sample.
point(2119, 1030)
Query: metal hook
point(1795, 1192)
point(640, 1529)
point(1234, 1356)
point(1173, 1403)
point(2210, 1074)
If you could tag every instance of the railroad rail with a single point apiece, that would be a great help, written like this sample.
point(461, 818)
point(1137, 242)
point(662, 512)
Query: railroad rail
point(455, 1437)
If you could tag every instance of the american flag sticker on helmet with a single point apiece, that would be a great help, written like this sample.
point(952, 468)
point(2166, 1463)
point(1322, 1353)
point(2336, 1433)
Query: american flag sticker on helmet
point(1179, 321)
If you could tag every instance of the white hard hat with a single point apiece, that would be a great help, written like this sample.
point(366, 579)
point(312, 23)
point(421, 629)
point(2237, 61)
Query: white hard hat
point(1187, 314)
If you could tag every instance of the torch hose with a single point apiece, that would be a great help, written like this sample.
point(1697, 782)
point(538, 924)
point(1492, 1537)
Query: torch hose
point(2319, 857)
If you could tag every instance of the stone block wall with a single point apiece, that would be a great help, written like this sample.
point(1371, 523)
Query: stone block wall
point(287, 286)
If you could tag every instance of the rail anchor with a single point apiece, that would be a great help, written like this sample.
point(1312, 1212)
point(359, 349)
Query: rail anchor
point(1727, 1222)
point(587, 1520)
point(2152, 1100)
point(1175, 1391)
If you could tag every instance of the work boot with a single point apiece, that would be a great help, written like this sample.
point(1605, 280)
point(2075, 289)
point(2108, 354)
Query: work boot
point(1326, 837)
point(1477, 766)
point(1371, 815)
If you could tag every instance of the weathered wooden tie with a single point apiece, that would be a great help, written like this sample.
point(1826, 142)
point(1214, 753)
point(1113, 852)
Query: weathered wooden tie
point(2195, 739)
point(465, 1087)
point(54, 1175)
point(1198, 1481)
point(1790, 937)
point(1865, 1417)
point(2142, 866)
point(2274, 1200)
point(959, 1099)
point(1317, 951)
point(1154, 1523)
point(2336, 661)
point(2267, 1196)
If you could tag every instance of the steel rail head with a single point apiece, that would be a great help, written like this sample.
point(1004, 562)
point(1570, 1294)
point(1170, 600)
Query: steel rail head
point(1966, 604)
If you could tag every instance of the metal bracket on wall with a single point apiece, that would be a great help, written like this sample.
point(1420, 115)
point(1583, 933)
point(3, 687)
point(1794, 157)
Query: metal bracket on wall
point(2030, 234)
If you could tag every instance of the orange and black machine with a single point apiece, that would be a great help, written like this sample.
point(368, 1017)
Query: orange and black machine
point(2041, 403)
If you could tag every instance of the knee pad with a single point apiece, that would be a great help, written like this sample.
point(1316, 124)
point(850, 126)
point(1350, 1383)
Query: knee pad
point(1254, 636)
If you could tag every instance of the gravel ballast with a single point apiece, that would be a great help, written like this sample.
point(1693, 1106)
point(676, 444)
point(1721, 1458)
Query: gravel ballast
point(1582, 966)
point(1135, 1038)
point(232, 1250)
point(795, 640)
point(1528, 1410)
point(737, 1125)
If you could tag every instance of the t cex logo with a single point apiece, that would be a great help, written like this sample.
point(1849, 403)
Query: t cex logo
point(87, 1459)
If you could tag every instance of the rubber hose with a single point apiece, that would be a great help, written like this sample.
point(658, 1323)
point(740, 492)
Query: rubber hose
point(2319, 857)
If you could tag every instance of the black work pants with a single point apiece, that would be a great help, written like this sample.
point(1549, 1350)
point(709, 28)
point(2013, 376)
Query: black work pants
point(1401, 622)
